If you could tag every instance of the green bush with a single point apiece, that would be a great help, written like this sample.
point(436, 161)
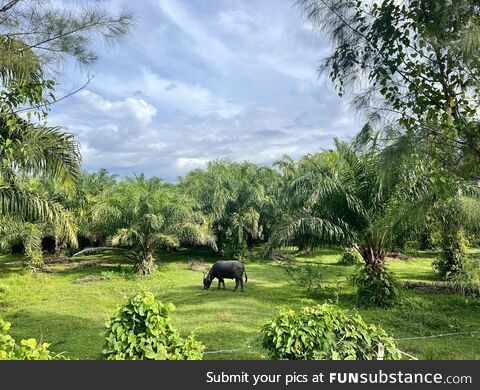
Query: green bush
point(27, 350)
point(452, 258)
point(325, 332)
point(350, 256)
point(306, 276)
point(376, 288)
point(141, 330)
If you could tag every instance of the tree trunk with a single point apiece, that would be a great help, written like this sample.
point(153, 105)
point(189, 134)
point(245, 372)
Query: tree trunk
point(147, 263)
point(60, 248)
point(373, 257)
point(34, 261)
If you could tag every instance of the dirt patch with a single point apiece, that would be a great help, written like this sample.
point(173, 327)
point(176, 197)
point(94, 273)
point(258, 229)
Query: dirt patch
point(443, 288)
point(89, 264)
point(398, 256)
point(197, 265)
point(89, 279)
point(225, 316)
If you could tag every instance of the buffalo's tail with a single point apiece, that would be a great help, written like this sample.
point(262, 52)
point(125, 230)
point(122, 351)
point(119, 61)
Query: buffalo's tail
point(246, 277)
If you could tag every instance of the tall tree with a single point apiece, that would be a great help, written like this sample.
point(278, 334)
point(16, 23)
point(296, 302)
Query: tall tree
point(353, 198)
point(146, 215)
point(35, 38)
point(52, 31)
point(413, 64)
point(238, 199)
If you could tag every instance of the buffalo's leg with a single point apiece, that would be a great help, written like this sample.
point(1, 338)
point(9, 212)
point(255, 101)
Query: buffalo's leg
point(223, 281)
point(237, 282)
point(219, 283)
point(241, 284)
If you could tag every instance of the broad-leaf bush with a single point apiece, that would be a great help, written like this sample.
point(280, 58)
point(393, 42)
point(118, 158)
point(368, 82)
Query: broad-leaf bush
point(27, 350)
point(141, 330)
point(376, 287)
point(350, 256)
point(325, 332)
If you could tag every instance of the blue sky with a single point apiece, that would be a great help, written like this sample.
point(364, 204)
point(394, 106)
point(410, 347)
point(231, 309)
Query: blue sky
point(201, 80)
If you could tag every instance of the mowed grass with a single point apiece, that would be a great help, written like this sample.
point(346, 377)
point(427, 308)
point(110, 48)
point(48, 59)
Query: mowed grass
point(68, 308)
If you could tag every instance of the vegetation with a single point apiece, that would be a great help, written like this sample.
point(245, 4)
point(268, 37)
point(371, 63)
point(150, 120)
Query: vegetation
point(239, 201)
point(27, 350)
point(141, 330)
point(408, 180)
point(145, 214)
point(350, 256)
point(69, 308)
point(325, 332)
point(348, 198)
point(376, 288)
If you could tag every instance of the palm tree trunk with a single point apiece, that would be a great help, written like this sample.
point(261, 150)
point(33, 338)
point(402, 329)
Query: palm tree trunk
point(146, 265)
point(373, 257)
point(60, 248)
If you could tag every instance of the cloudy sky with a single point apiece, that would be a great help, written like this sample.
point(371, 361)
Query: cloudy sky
point(201, 80)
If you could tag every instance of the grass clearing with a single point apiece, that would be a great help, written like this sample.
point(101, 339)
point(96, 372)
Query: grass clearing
point(68, 308)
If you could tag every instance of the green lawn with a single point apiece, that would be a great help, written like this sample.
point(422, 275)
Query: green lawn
point(69, 307)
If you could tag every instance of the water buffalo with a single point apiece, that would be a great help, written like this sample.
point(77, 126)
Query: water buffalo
point(226, 269)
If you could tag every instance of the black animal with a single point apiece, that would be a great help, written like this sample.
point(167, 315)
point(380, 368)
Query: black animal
point(226, 269)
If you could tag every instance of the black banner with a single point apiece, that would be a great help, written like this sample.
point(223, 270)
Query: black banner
point(241, 375)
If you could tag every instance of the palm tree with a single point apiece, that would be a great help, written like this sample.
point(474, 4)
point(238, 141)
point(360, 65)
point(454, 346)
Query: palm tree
point(347, 197)
point(145, 215)
point(29, 147)
point(238, 199)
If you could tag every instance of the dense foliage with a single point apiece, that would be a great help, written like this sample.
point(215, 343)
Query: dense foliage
point(376, 288)
point(325, 332)
point(350, 256)
point(352, 196)
point(27, 349)
point(239, 201)
point(34, 40)
point(412, 67)
point(141, 330)
point(146, 214)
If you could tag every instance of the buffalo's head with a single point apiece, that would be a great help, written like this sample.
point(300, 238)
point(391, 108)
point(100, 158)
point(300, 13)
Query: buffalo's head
point(207, 282)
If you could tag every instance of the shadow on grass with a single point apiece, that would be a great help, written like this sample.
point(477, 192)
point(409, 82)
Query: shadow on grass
point(64, 333)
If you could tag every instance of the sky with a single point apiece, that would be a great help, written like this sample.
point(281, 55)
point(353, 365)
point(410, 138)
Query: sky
point(202, 80)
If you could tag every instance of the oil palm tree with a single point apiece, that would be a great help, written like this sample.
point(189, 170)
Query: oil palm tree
point(237, 198)
point(145, 215)
point(350, 199)
point(29, 147)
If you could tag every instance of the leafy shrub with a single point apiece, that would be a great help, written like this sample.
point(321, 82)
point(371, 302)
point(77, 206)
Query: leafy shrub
point(27, 350)
point(325, 332)
point(451, 261)
point(466, 282)
point(350, 256)
point(307, 276)
point(376, 288)
point(141, 330)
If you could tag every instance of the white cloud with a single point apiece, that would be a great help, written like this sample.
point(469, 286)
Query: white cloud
point(130, 108)
point(174, 96)
point(206, 80)
point(189, 164)
point(180, 96)
point(207, 46)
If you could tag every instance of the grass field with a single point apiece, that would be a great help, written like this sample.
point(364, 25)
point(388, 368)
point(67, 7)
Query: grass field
point(69, 307)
